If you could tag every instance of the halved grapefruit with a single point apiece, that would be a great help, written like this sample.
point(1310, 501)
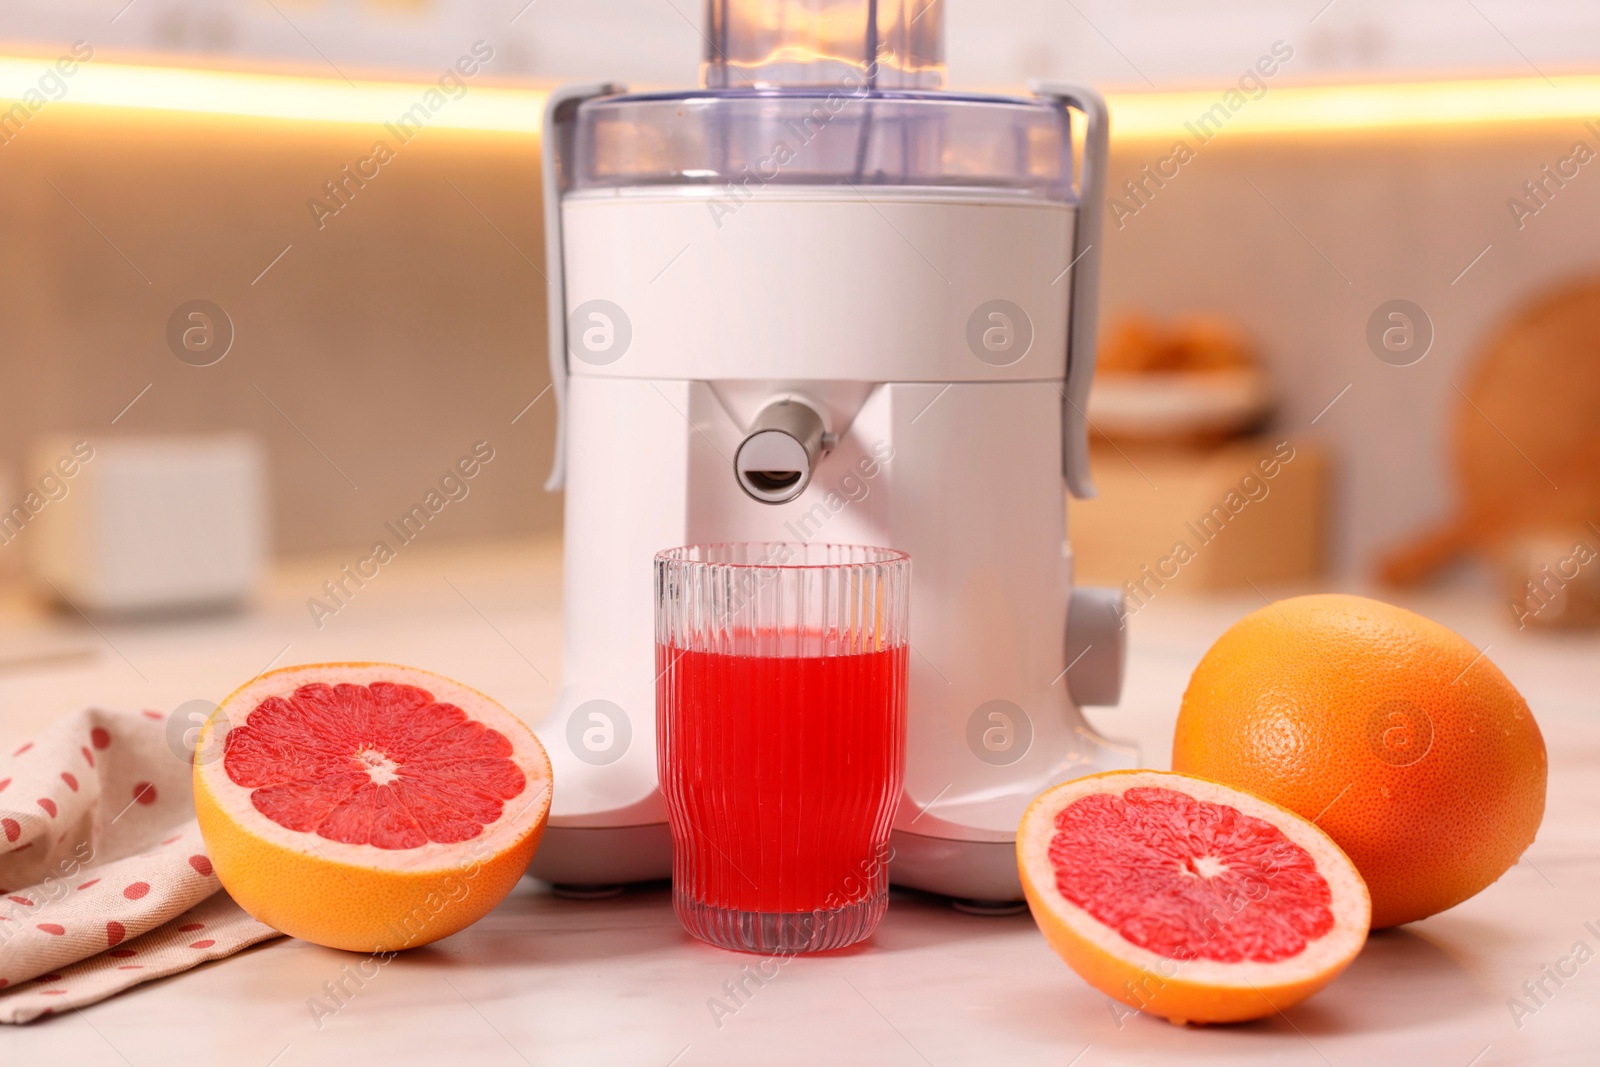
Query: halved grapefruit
point(367, 806)
point(1187, 899)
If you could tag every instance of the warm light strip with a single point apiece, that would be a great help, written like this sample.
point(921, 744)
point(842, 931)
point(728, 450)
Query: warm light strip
point(1312, 109)
point(272, 96)
point(1135, 116)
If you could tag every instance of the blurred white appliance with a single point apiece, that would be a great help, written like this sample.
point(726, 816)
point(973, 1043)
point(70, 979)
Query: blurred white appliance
point(820, 298)
point(148, 524)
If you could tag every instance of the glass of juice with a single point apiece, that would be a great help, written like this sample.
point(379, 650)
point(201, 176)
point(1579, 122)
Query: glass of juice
point(780, 726)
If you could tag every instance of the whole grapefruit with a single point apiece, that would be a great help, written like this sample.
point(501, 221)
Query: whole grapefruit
point(1389, 731)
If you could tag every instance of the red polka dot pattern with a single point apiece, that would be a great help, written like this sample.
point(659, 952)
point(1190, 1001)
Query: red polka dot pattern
point(54, 796)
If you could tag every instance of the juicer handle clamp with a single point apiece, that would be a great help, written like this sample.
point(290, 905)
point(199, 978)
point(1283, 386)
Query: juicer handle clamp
point(1085, 266)
point(556, 135)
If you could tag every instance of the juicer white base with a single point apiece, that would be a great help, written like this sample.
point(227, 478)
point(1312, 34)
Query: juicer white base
point(965, 870)
point(981, 871)
point(604, 855)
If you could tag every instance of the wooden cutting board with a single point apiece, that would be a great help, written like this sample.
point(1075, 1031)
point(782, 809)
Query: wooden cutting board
point(1526, 437)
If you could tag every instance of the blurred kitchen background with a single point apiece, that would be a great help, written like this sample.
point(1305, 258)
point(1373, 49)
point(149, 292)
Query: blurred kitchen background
point(370, 347)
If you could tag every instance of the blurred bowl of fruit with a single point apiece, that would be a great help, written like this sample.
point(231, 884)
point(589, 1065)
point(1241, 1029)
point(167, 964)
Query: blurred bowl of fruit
point(1195, 380)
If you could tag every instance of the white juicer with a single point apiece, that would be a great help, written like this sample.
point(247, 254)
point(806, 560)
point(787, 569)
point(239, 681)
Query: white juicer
point(820, 299)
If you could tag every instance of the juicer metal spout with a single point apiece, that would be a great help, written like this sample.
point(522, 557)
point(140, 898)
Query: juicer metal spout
point(775, 461)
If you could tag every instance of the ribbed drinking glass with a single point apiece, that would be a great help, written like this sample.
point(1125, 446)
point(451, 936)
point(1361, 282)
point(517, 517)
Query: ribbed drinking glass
point(780, 717)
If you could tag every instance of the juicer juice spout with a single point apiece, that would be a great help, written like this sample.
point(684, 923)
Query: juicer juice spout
point(776, 459)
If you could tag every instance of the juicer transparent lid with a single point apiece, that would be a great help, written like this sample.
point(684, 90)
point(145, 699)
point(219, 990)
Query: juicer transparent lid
point(824, 92)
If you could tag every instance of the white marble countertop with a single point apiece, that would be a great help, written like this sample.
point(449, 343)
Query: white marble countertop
point(550, 981)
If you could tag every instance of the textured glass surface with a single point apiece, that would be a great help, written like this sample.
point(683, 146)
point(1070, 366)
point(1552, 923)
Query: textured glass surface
point(780, 707)
point(889, 44)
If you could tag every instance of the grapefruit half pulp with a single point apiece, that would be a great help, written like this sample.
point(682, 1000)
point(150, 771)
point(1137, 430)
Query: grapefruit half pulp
point(1188, 899)
point(367, 806)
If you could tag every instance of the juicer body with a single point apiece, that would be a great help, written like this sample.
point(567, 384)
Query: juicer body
point(930, 329)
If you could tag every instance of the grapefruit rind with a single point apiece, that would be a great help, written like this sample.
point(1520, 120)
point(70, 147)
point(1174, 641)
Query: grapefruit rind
point(1196, 990)
point(1410, 747)
point(356, 896)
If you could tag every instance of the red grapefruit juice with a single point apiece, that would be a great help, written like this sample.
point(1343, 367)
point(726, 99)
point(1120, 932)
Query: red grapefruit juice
point(781, 774)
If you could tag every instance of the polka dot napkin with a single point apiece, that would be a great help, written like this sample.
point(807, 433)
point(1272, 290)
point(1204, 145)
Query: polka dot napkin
point(104, 880)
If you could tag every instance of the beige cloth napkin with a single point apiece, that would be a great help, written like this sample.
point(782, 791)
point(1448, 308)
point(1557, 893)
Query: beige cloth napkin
point(104, 880)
